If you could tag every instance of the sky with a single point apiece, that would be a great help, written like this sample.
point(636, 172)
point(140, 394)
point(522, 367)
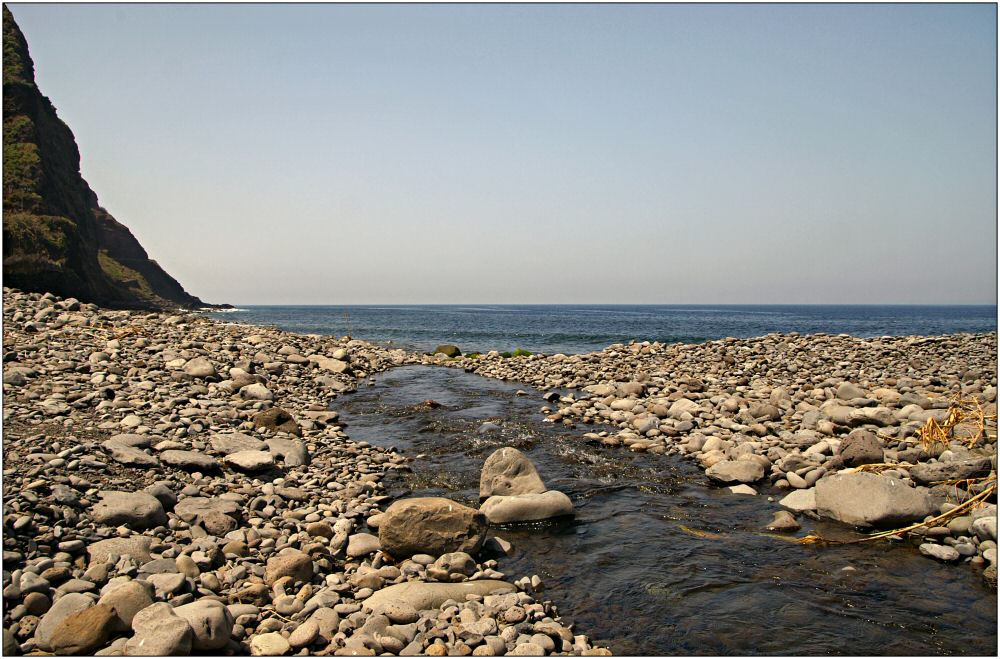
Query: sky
point(406, 154)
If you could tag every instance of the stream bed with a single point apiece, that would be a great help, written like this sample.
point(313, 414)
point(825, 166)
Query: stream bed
point(657, 561)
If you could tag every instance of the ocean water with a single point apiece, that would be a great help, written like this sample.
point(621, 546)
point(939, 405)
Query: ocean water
point(570, 329)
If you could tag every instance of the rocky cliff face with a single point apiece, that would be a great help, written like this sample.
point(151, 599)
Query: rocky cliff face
point(56, 236)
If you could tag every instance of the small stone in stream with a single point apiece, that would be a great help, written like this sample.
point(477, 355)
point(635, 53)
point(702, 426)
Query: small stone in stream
point(735, 471)
point(508, 472)
point(277, 420)
point(250, 461)
point(84, 632)
point(861, 447)
point(189, 460)
point(211, 622)
point(784, 522)
point(292, 563)
point(448, 350)
point(940, 552)
point(487, 427)
point(136, 547)
point(742, 489)
point(136, 510)
point(526, 507)
point(431, 525)
point(799, 501)
point(271, 644)
point(362, 544)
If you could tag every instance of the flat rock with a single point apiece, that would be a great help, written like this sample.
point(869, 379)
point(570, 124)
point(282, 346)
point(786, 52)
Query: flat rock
point(929, 472)
point(526, 507)
point(290, 451)
point(136, 547)
point(136, 510)
point(422, 596)
point(940, 552)
point(250, 461)
point(235, 442)
point(271, 644)
point(864, 499)
point(784, 522)
point(130, 456)
point(735, 471)
point(189, 460)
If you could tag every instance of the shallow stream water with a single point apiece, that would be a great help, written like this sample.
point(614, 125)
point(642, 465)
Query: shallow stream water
point(657, 561)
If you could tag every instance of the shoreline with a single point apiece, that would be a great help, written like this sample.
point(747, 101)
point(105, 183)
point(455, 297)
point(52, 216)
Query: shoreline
point(141, 374)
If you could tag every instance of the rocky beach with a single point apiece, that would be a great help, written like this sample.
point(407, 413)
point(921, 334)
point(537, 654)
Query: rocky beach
point(177, 485)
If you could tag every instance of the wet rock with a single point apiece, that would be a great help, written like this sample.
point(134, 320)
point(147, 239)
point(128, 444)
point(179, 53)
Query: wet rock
point(448, 350)
point(250, 461)
point(783, 522)
point(526, 507)
point(508, 472)
point(940, 552)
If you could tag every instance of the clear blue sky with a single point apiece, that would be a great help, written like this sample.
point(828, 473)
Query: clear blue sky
point(437, 154)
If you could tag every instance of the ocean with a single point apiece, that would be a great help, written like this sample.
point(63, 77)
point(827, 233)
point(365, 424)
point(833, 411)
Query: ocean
point(571, 329)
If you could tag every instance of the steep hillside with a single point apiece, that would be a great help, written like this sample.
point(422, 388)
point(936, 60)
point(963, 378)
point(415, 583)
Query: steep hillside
point(56, 236)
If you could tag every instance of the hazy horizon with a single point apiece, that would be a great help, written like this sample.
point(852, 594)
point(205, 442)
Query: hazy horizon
point(540, 154)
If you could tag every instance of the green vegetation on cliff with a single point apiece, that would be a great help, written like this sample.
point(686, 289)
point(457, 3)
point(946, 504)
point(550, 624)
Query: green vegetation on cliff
point(56, 236)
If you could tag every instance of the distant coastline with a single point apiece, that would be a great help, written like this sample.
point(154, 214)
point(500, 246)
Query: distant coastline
point(574, 329)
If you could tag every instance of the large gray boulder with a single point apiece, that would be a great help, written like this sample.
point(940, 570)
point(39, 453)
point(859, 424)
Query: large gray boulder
point(136, 510)
point(526, 507)
point(430, 525)
point(864, 499)
point(509, 472)
point(735, 471)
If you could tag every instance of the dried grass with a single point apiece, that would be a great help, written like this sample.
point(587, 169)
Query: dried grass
point(962, 410)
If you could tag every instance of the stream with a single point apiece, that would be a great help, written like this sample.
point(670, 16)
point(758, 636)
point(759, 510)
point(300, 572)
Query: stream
point(657, 561)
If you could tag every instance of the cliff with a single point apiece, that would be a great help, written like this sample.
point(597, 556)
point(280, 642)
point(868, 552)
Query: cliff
point(56, 236)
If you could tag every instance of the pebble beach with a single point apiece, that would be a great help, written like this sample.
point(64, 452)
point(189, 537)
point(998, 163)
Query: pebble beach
point(174, 485)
